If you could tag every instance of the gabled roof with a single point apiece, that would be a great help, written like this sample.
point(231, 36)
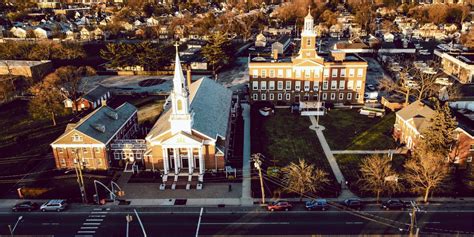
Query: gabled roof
point(210, 103)
point(419, 113)
point(104, 122)
point(95, 93)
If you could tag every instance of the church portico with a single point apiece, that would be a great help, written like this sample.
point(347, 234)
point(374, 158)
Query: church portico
point(183, 160)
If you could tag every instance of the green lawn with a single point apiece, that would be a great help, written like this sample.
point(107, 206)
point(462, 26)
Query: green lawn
point(284, 137)
point(349, 130)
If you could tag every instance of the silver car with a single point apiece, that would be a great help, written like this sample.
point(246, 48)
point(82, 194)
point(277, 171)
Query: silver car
point(54, 205)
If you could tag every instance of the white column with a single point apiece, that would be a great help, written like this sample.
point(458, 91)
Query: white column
point(165, 160)
point(201, 161)
point(176, 162)
point(190, 161)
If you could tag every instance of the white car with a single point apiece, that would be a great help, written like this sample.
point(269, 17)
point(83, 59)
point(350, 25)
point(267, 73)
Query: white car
point(54, 205)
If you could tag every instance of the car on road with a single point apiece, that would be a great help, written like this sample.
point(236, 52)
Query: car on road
point(25, 206)
point(353, 203)
point(394, 204)
point(371, 87)
point(317, 204)
point(280, 205)
point(54, 205)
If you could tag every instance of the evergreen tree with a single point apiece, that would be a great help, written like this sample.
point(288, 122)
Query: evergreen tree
point(440, 136)
point(218, 52)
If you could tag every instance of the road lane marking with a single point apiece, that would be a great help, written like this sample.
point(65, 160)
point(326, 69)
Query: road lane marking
point(246, 223)
point(97, 220)
point(355, 223)
point(97, 216)
point(97, 209)
point(55, 223)
point(199, 222)
point(86, 232)
point(91, 223)
point(89, 227)
point(98, 212)
point(83, 236)
point(432, 222)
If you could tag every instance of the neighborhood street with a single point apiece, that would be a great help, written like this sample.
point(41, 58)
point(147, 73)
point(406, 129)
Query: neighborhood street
point(184, 221)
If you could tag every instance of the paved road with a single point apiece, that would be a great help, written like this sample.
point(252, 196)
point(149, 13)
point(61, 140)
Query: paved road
point(183, 221)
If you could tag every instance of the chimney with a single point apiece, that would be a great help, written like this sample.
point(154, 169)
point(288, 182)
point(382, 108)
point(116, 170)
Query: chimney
point(188, 75)
point(338, 55)
point(275, 54)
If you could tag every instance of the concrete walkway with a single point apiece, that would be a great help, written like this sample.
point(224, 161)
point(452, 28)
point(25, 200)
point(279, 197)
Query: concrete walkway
point(346, 193)
point(246, 198)
point(397, 151)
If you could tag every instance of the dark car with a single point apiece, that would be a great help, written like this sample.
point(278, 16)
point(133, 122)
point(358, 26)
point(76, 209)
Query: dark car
point(25, 206)
point(353, 203)
point(317, 204)
point(393, 204)
point(279, 206)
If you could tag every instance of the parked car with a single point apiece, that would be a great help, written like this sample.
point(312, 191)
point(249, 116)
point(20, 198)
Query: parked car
point(25, 206)
point(393, 204)
point(279, 206)
point(54, 205)
point(353, 203)
point(317, 204)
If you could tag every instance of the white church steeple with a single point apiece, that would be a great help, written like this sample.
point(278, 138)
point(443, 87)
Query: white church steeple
point(181, 119)
point(308, 38)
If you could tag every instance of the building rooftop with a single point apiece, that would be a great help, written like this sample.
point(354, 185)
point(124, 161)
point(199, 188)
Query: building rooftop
point(96, 93)
point(419, 112)
point(22, 63)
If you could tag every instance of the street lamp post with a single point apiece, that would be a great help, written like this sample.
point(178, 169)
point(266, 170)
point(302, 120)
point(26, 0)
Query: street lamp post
point(140, 221)
point(12, 231)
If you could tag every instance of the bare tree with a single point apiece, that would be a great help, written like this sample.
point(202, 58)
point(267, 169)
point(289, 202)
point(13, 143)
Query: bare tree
point(303, 177)
point(70, 79)
point(425, 171)
point(376, 172)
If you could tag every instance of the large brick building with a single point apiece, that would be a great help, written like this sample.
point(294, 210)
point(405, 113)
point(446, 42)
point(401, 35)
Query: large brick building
point(337, 77)
point(88, 141)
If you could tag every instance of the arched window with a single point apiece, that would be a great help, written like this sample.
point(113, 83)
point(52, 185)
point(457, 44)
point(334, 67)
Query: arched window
point(180, 105)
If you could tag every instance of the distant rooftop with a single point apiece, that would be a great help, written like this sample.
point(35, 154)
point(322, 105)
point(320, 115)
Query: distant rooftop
point(22, 63)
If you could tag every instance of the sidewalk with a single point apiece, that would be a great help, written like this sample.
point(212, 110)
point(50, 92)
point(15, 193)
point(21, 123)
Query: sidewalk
point(345, 192)
point(246, 198)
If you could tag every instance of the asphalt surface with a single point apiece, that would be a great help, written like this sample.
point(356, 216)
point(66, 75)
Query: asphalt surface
point(184, 221)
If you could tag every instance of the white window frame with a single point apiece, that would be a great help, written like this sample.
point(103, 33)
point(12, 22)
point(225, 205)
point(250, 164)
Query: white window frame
point(280, 73)
point(350, 84)
point(325, 96)
point(351, 72)
point(333, 84)
point(343, 72)
point(263, 85)
point(306, 85)
point(298, 74)
point(255, 73)
point(271, 96)
point(358, 84)
point(255, 85)
point(272, 73)
point(297, 85)
point(349, 96)
point(341, 96)
point(288, 96)
point(325, 85)
point(288, 73)
point(77, 138)
point(357, 96)
point(271, 85)
point(342, 84)
point(307, 73)
point(264, 73)
point(255, 96)
point(263, 96)
point(333, 96)
point(334, 72)
point(316, 86)
point(280, 85)
point(280, 96)
point(288, 85)
point(326, 72)
point(360, 72)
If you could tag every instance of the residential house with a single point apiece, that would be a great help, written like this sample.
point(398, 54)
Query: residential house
point(87, 143)
point(94, 98)
point(310, 76)
point(152, 22)
point(388, 37)
point(18, 32)
point(281, 45)
point(336, 31)
point(321, 30)
point(457, 64)
point(261, 40)
point(41, 33)
point(85, 34)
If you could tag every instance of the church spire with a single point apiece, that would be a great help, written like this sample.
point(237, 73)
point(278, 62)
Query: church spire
point(179, 85)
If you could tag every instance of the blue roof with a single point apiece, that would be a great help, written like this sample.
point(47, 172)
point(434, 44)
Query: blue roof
point(104, 122)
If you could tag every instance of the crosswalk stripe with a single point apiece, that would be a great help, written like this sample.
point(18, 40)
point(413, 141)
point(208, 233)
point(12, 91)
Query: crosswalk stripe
point(86, 232)
point(97, 209)
point(91, 223)
point(89, 227)
point(99, 212)
point(96, 220)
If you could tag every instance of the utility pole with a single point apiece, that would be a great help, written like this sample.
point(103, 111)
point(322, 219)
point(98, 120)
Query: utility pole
point(415, 208)
point(258, 165)
point(80, 179)
point(140, 221)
